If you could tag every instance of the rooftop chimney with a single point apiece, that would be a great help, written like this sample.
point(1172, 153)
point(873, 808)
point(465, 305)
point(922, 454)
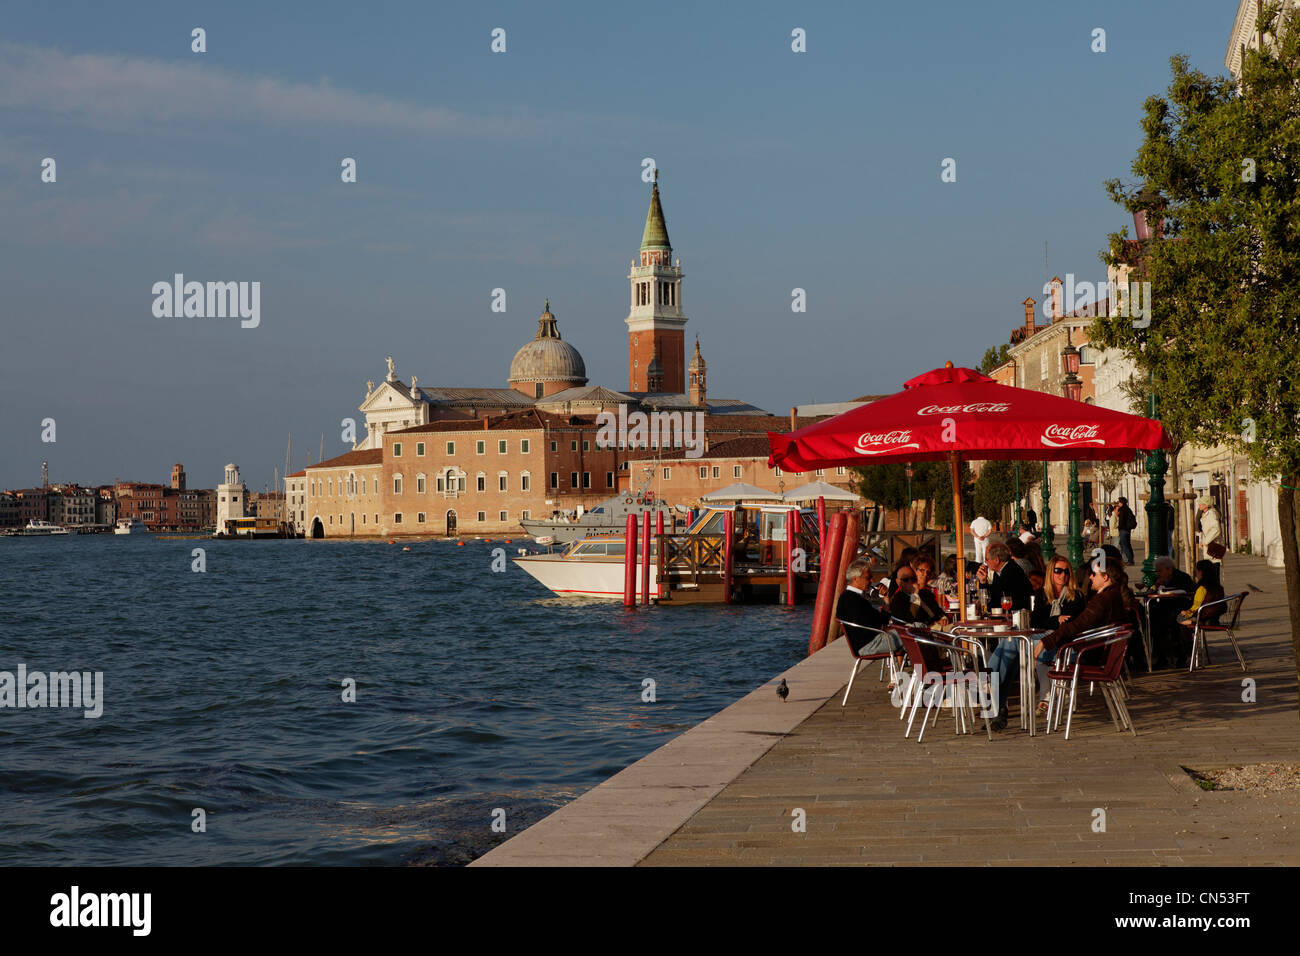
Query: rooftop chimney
point(792, 424)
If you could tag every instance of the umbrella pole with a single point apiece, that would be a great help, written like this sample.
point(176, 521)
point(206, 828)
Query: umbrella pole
point(959, 535)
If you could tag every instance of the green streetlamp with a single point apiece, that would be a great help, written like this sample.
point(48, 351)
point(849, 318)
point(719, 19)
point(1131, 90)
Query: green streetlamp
point(1073, 388)
point(1047, 543)
point(1157, 529)
point(1015, 517)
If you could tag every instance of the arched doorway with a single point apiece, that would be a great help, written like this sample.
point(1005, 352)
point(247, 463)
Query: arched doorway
point(451, 522)
point(317, 529)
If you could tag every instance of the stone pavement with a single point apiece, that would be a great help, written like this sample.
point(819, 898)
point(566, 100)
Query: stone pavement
point(872, 797)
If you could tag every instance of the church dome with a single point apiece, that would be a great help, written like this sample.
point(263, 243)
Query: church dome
point(547, 358)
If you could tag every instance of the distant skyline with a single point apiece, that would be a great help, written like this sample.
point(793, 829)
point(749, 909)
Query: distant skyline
point(522, 170)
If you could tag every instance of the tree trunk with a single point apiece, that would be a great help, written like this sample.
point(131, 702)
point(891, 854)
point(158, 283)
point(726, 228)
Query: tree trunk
point(1288, 514)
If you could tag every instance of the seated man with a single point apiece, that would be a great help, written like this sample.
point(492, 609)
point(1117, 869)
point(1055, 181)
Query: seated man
point(855, 607)
point(1003, 576)
point(908, 604)
point(1165, 634)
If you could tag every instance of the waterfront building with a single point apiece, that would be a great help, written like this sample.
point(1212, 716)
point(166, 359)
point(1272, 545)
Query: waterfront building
point(232, 497)
point(105, 506)
point(8, 509)
point(33, 504)
point(72, 506)
point(267, 504)
point(343, 495)
point(295, 487)
point(142, 500)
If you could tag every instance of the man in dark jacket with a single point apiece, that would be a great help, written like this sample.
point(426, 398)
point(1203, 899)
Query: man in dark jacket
point(1002, 576)
point(855, 607)
point(1164, 611)
point(1127, 522)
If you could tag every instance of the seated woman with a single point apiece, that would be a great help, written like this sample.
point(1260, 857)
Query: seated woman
point(1059, 600)
point(947, 582)
point(1208, 590)
point(1111, 602)
point(925, 587)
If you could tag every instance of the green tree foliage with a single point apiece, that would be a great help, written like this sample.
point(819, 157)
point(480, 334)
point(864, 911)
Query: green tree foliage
point(993, 357)
point(1218, 169)
point(886, 485)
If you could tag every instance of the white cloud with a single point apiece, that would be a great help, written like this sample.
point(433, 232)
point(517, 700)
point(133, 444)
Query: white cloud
point(118, 91)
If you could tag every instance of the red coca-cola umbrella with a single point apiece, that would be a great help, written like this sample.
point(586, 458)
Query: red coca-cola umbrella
point(957, 413)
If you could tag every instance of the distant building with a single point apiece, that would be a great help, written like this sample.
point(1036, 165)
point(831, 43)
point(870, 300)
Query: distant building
point(9, 510)
point(72, 506)
point(1245, 33)
point(232, 497)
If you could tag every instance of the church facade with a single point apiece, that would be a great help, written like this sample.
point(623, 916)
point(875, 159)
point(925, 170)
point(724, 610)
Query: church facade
point(438, 460)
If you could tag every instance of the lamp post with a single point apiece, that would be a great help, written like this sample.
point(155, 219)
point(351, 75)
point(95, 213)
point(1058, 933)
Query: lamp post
point(909, 492)
point(1015, 516)
point(1047, 543)
point(1073, 388)
point(1157, 540)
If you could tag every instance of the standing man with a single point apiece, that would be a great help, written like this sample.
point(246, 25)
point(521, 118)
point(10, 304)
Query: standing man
point(1031, 521)
point(1208, 519)
point(1127, 522)
point(981, 528)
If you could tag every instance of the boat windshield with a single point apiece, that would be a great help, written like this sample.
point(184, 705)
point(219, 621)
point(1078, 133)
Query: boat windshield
point(608, 548)
point(708, 523)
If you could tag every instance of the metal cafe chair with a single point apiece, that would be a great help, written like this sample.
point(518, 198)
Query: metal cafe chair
point(932, 663)
point(1231, 606)
point(1069, 668)
point(862, 636)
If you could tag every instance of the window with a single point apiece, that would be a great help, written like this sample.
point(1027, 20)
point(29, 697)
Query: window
point(1042, 365)
point(236, 498)
point(555, 480)
point(439, 484)
point(821, 472)
point(525, 515)
point(501, 516)
point(554, 446)
point(502, 482)
point(363, 518)
point(840, 470)
point(573, 479)
point(482, 482)
point(586, 479)
point(419, 449)
point(735, 471)
point(460, 483)
point(776, 471)
point(397, 449)
point(523, 446)
point(668, 472)
point(704, 471)
point(573, 446)
point(609, 479)
point(419, 517)
point(479, 447)
point(397, 518)
point(376, 516)
point(397, 484)
point(482, 516)
point(717, 472)
point(419, 485)
point(586, 446)
point(451, 449)
point(501, 447)
point(524, 482)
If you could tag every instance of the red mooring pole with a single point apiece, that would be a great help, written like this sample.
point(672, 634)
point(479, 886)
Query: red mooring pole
point(827, 578)
point(728, 553)
point(659, 538)
point(821, 524)
point(629, 564)
point(791, 529)
point(645, 557)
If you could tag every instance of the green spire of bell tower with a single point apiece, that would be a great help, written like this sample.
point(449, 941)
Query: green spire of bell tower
point(655, 235)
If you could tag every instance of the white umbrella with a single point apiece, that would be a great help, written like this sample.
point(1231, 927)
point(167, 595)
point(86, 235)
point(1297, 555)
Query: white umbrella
point(741, 491)
point(819, 489)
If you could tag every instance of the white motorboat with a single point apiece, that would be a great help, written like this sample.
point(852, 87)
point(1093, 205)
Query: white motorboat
point(43, 527)
point(589, 567)
point(130, 526)
point(608, 517)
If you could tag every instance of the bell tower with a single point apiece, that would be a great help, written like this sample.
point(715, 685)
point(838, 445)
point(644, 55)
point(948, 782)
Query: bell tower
point(655, 323)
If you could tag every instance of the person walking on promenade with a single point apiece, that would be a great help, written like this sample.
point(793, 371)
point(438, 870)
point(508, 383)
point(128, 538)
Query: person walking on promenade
point(1208, 519)
point(981, 528)
point(1031, 522)
point(1127, 522)
point(1112, 524)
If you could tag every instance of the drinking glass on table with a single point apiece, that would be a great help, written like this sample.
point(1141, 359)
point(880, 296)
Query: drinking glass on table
point(1006, 604)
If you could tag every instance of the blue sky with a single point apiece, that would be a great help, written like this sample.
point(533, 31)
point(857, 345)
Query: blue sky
point(522, 170)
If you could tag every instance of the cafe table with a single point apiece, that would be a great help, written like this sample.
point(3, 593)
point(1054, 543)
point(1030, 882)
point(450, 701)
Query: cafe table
point(1146, 597)
point(1000, 627)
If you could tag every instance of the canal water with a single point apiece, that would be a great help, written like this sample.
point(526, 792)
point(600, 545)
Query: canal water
point(479, 697)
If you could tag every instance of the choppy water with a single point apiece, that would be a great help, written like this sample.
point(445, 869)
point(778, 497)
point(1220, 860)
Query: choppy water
point(222, 691)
